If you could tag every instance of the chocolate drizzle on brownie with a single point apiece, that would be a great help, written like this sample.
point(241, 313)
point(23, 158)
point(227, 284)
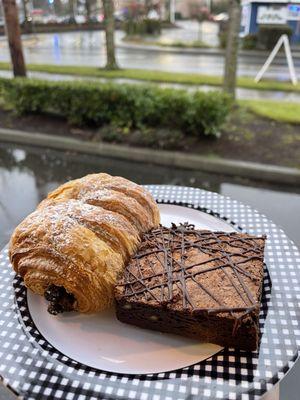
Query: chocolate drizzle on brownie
point(171, 249)
point(60, 300)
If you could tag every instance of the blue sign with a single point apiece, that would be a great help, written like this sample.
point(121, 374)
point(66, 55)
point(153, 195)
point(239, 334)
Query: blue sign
point(294, 12)
point(294, 8)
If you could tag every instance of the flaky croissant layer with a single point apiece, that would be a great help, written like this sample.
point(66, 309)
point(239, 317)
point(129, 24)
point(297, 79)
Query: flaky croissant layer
point(81, 236)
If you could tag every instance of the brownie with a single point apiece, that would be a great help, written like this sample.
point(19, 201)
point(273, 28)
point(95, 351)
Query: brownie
point(197, 283)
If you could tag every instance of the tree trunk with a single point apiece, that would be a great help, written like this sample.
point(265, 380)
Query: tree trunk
point(13, 33)
point(148, 5)
point(25, 10)
point(231, 55)
point(170, 6)
point(168, 16)
point(27, 23)
point(88, 10)
point(72, 8)
point(109, 23)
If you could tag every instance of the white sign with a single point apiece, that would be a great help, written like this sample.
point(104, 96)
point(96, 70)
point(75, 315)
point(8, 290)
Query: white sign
point(245, 19)
point(293, 12)
point(275, 15)
point(282, 41)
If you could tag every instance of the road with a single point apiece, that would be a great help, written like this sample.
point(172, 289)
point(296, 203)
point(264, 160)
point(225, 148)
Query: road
point(87, 48)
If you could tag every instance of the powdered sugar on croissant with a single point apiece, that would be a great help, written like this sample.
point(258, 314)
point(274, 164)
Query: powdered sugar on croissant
point(81, 236)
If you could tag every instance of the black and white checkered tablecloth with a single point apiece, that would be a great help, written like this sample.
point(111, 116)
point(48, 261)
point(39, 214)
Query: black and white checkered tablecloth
point(32, 368)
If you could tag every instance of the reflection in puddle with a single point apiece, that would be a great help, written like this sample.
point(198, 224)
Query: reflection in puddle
point(27, 174)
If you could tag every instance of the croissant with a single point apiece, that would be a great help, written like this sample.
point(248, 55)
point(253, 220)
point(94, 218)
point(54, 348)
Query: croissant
point(112, 193)
point(75, 245)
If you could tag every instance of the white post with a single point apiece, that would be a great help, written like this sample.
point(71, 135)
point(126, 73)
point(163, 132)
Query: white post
point(283, 40)
point(269, 59)
point(172, 11)
point(209, 5)
point(289, 58)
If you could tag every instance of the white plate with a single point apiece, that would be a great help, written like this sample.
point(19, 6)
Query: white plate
point(102, 342)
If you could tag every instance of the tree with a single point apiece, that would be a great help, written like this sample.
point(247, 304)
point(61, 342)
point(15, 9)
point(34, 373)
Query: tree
point(13, 33)
point(72, 9)
point(25, 11)
point(88, 10)
point(27, 22)
point(231, 55)
point(148, 5)
point(109, 24)
point(170, 11)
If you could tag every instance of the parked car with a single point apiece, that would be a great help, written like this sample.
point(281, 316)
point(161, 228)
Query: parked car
point(80, 19)
point(153, 14)
point(69, 20)
point(119, 16)
point(49, 19)
point(221, 17)
point(97, 18)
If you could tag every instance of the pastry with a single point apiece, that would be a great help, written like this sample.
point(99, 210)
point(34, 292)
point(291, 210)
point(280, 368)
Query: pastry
point(112, 193)
point(200, 284)
point(75, 245)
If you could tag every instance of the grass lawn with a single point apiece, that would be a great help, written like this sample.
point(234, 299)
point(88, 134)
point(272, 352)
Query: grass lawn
point(195, 44)
point(281, 112)
point(156, 76)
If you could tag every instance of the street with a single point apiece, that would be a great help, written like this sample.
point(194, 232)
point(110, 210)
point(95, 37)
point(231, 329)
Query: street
point(87, 48)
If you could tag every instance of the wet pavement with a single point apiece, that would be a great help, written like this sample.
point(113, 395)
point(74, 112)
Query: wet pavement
point(88, 48)
point(190, 31)
point(28, 173)
point(241, 93)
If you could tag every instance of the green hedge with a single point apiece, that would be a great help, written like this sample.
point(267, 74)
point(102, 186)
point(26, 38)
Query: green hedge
point(132, 106)
point(268, 36)
point(142, 27)
point(249, 42)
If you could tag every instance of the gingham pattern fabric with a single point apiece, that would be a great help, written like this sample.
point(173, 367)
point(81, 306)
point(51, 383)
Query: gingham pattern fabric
point(35, 370)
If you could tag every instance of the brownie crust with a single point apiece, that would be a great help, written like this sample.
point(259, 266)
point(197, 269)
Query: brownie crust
point(200, 284)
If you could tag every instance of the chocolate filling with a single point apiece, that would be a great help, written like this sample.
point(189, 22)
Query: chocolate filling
point(60, 300)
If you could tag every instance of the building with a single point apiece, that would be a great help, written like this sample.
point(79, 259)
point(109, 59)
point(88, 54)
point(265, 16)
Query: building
point(182, 8)
point(271, 12)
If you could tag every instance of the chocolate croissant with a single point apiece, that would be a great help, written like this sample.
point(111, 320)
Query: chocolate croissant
point(112, 193)
point(75, 245)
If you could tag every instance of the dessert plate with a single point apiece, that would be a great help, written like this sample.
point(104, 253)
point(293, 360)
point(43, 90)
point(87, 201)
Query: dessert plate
point(101, 341)
point(34, 366)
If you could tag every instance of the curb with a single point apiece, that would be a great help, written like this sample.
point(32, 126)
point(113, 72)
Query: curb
point(202, 51)
point(256, 171)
